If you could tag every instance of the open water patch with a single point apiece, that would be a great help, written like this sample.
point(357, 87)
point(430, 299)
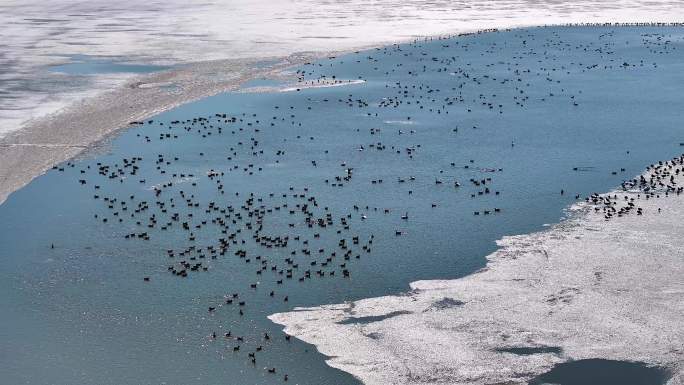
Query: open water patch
point(603, 372)
point(373, 318)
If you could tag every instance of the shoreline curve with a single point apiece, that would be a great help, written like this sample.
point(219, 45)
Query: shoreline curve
point(586, 288)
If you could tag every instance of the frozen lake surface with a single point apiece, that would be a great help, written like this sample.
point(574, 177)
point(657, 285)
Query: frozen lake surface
point(37, 35)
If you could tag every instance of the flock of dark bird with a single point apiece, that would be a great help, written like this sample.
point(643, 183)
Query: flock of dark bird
point(661, 181)
point(290, 236)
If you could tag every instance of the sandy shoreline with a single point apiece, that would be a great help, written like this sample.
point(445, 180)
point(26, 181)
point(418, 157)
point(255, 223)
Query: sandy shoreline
point(592, 287)
point(42, 143)
point(29, 152)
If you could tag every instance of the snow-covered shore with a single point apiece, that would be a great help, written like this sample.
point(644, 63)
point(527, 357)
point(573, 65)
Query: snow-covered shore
point(586, 288)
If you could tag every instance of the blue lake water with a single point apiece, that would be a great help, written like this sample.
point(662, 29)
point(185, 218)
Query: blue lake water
point(519, 109)
point(91, 65)
point(603, 372)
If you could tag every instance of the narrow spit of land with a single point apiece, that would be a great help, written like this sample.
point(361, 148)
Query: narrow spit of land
point(605, 283)
point(29, 152)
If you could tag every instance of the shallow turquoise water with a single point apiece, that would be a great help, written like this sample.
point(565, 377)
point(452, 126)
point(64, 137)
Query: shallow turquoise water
point(90, 65)
point(261, 83)
point(81, 313)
